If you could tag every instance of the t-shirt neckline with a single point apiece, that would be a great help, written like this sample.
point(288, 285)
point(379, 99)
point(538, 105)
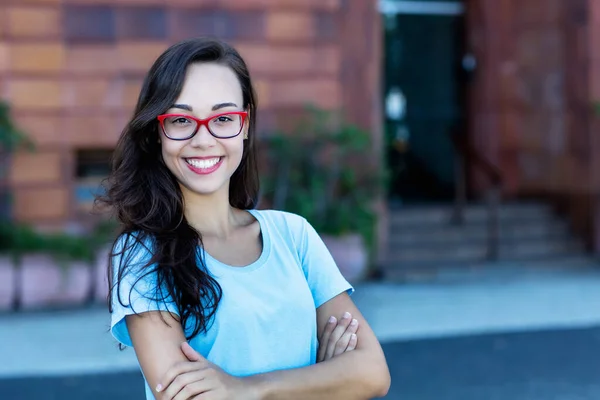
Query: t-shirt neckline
point(264, 255)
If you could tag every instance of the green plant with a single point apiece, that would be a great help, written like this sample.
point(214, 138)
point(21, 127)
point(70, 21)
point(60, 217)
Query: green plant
point(11, 138)
point(325, 170)
point(104, 232)
point(20, 239)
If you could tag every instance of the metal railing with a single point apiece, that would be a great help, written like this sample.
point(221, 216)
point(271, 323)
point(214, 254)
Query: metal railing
point(467, 155)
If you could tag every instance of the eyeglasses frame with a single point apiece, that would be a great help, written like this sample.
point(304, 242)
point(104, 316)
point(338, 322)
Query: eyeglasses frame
point(202, 122)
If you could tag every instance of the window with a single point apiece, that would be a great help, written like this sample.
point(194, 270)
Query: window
point(92, 166)
point(85, 23)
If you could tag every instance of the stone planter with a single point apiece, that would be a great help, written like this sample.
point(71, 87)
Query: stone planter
point(7, 279)
point(350, 254)
point(45, 283)
point(100, 275)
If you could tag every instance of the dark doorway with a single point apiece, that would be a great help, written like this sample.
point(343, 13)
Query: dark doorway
point(423, 100)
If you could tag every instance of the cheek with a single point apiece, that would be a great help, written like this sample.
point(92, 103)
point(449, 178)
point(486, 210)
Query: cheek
point(170, 155)
point(237, 150)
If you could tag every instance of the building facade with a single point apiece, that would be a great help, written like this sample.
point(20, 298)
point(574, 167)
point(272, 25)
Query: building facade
point(524, 79)
point(532, 105)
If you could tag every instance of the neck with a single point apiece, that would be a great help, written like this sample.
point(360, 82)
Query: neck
point(211, 215)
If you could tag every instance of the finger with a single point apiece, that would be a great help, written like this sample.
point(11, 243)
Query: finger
point(342, 344)
point(190, 353)
point(337, 334)
point(323, 341)
point(176, 370)
point(199, 388)
point(353, 342)
point(180, 382)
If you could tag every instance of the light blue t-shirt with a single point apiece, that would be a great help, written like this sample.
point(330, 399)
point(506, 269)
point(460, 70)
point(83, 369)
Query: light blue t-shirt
point(266, 319)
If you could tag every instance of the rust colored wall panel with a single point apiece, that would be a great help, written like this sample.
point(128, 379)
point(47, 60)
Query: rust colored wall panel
point(130, 93)
point(330, 5)
point(227, 25)
point(91, 93)
point(91, 131)
point(137, 57)
point(324, 93)
point(44, 130)
point(91, 60)
point(36, 167)
point(37, 58)
point(125, 2)
point(4, 57)
point(37, 205)
point(281, 60)
point(262, 88)
point(290, 25)
point(30, 22)
point(35, 94)
point(53, 3)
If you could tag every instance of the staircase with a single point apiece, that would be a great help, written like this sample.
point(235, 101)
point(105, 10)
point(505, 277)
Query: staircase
point(423, 240)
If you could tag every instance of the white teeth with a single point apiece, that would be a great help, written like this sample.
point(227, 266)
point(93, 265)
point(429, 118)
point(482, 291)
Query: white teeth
point(206, 163)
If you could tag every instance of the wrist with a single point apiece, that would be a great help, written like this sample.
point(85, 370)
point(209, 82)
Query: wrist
point(258, 387)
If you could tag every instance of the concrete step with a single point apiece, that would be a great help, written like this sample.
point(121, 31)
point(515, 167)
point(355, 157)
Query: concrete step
point(477, 252)
point(492, 270)
point(509, 233)
point(419, 216)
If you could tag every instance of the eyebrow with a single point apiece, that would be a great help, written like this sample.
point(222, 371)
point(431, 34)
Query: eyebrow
point(214, 108)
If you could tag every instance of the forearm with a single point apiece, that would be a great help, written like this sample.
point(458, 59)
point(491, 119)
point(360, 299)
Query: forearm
point(352, 375)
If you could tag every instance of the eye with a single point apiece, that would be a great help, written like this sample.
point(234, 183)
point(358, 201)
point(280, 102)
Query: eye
point(223, 119)
point(179, 121)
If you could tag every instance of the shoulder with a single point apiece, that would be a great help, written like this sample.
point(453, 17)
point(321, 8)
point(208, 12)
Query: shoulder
point(132, 248)
point(287, 226)
point(282, 218)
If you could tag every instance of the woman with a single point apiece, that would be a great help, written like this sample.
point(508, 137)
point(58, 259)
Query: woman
point(219, 300)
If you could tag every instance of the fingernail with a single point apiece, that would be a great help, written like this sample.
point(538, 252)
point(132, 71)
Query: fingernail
point(331, 319)
point(354, 322)
point(346, 314)
point(353, 336)
point(159, 387)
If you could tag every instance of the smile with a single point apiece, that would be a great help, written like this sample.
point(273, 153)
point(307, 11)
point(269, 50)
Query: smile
point(204, 165)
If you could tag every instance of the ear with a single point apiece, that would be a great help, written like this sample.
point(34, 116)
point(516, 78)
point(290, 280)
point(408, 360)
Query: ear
point(247, 125)
point(246, 129)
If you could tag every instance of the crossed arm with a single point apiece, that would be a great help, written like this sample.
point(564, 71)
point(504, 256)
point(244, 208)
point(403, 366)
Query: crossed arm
point(359, 374)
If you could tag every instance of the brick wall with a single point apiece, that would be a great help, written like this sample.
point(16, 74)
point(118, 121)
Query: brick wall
point(71, 69)
point(531, 110)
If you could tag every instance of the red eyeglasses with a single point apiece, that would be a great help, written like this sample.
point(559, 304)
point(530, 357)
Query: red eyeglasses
point(183, 127)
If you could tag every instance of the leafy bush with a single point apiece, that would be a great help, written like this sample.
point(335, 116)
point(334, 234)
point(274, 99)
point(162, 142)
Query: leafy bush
point(326, 171)
point(19, 239)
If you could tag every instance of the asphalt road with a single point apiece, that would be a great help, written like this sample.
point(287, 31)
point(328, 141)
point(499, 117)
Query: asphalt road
point(548, 365)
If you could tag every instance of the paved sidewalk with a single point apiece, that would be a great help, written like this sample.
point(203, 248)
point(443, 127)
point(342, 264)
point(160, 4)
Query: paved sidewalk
point(500, 300)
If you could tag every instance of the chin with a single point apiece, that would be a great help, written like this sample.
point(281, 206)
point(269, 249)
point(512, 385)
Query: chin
point(204, 186)
point(203, 189)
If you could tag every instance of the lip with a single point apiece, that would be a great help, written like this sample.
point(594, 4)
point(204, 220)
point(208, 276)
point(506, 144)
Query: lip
point(203, 171)
point(201, 158)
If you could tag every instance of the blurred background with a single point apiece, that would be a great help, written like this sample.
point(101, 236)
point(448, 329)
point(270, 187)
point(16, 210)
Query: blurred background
point(444, 150)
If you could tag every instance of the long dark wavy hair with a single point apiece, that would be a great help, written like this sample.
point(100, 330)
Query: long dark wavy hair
point(146, 198)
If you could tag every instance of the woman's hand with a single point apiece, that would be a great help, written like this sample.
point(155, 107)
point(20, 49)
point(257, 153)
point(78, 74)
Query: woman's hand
point(338, 337)
point(201, 379)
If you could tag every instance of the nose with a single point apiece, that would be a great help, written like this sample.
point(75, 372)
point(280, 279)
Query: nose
point(203, 138)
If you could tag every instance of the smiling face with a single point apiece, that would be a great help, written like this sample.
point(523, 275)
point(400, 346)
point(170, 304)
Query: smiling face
point(204, 163)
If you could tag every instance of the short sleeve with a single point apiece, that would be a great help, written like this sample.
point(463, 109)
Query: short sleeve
point(136, 290)
point(323, 275)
